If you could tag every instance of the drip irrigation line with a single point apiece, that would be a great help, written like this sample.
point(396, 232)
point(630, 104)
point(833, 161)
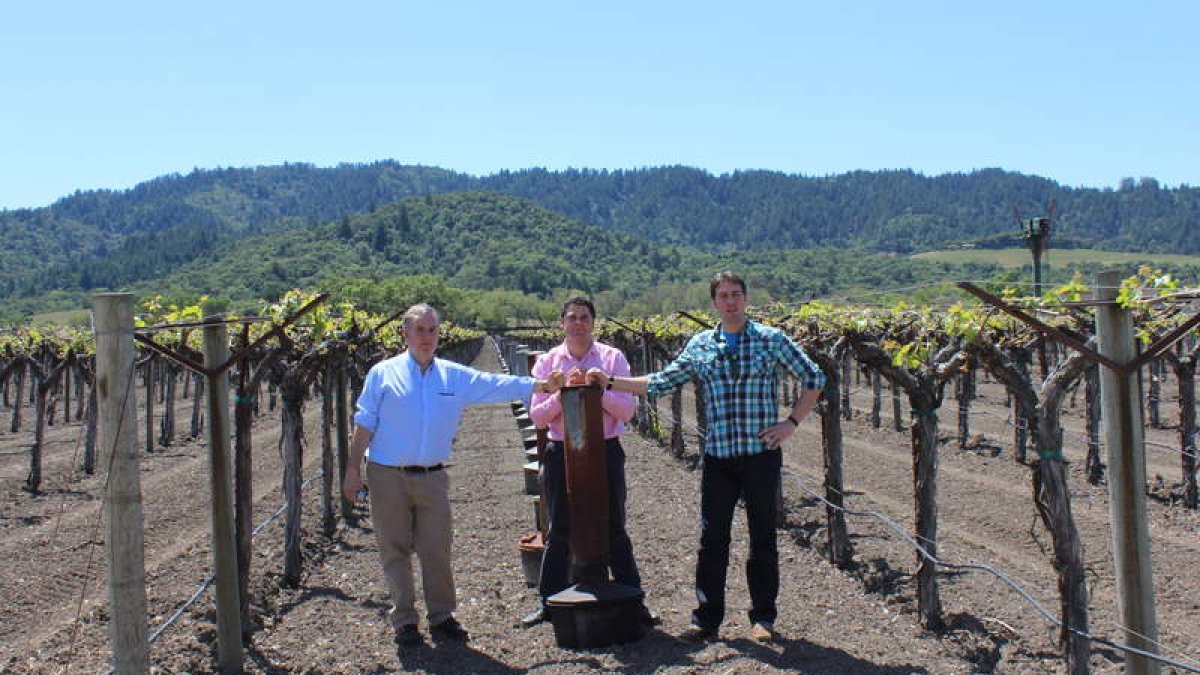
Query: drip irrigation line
point(1077, 434)
point(208, 581)
point(1041, 609)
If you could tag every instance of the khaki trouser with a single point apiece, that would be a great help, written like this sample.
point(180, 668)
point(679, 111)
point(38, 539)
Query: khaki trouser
point(411, 514)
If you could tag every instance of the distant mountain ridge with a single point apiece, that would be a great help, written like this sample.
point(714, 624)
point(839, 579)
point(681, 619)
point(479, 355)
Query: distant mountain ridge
point(110, 239)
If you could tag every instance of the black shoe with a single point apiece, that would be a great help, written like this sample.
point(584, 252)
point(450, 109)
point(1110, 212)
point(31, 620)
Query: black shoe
point(409, 636)
point(650, 617)
point(698, 634)
point(534, 618)
point(450, 629)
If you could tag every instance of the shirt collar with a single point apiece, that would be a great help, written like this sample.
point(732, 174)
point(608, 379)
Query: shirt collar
point(592, 350)
point(750, 328)
point(414, 367)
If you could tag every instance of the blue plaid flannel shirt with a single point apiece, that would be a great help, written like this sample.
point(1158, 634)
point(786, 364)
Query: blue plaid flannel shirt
point(740, 386)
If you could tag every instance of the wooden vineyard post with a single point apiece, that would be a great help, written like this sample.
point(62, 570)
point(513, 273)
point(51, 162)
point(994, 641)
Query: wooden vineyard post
point(229, 627)
point(123, 499)
point(1125, 441)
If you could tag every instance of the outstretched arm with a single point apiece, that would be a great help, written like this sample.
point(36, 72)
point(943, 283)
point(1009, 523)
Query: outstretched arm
point(633, 385)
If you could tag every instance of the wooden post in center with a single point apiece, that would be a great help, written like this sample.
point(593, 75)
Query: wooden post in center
point(587, 482)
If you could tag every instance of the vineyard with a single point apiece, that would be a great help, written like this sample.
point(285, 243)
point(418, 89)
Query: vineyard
point(960, 494)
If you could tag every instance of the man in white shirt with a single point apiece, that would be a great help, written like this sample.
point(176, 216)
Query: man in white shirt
point(407, 415)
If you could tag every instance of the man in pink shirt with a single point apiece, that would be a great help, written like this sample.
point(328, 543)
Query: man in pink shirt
point(578, 353)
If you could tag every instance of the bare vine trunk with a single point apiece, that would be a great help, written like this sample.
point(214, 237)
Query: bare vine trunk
point(847, 366)
point(876, 399)
point(197, 426)
point(92, 418)
point(328, 516)
point(148, 375)
point(18, 389)
point(292, 448)
point(243, 490)
point(1093, 465)
point(1185, 375)
point(841, 553)
point(677, 447)
point(924, 449)
point(167, 433)
point(897, 408)
point(33, 482)
point(965, 393)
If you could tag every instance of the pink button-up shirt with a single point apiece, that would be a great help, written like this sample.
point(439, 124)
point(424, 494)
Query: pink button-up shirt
point(546, 409)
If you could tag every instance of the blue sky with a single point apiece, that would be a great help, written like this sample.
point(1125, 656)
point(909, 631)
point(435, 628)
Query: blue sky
point(106, 95)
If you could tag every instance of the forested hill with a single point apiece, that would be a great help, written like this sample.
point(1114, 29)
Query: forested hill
point(110, 239)
point(472, 240)
point(889, 211)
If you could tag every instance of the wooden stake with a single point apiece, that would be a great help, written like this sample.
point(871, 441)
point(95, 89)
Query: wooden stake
point(123, 500)
point(1125, 441)
point(229, 626)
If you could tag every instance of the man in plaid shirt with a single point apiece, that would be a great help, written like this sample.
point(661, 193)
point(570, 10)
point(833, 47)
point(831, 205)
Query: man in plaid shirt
point(736, 363)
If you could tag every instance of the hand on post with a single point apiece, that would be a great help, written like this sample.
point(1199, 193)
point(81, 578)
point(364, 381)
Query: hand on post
point(554, 381)
point(597, 377)
point(576, 377)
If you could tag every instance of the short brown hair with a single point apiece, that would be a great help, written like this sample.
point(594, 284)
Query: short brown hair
point(724, 277)
point(580, 301)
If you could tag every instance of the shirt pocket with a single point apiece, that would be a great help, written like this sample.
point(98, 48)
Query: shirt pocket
point(447, 404)
point(714, 365)
point(759, 365)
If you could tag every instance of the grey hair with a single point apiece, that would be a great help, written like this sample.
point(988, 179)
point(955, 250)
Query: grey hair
point(419, 310)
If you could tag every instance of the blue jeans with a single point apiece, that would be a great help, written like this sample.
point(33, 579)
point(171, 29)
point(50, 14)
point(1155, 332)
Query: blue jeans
point(723, 481)
point(556, 561)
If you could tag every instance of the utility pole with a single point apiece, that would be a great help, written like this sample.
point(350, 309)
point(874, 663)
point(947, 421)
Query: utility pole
point(1037, 236)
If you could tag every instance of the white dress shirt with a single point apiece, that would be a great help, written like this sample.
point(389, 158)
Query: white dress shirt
point(413, 416)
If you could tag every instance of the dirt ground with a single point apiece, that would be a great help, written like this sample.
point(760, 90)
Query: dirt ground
point(863, 620)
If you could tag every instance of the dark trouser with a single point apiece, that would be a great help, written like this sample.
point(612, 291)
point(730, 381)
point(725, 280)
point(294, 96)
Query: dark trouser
point(556, 561)
point(756, 478)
